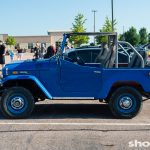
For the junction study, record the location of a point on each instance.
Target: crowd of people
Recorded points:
(40, 51)
(2, 54)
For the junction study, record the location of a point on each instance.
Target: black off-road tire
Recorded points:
(17, 103)
(125, 102)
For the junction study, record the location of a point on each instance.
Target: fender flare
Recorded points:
(107, 87)
(28, 77)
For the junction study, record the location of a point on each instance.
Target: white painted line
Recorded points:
(76, 124)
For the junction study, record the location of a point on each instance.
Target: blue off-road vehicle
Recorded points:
(121, 85)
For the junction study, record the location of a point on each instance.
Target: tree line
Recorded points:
(132, 36)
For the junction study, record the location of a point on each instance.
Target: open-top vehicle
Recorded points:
(122, 86)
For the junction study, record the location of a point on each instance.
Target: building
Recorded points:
(28, 42)
(56, 36)
(3, 37)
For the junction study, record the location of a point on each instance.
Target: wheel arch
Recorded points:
(132, 84)
(36, 90)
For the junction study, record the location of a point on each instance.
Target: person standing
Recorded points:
(37, 51)
(2, 54)
(20, 51)
(43, 50)
(11, 54)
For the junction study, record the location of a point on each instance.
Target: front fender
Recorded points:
(28, 77)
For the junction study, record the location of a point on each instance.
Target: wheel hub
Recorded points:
(126, 102)
(17, 103)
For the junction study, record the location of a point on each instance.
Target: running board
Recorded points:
(71, 98)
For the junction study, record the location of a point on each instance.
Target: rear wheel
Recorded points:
(17, 102)
(125, 102)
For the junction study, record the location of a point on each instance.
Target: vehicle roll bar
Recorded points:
(125, 52)
(128, 44)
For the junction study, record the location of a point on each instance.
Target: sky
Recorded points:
(36, 17)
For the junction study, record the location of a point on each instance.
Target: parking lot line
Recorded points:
(76, 124)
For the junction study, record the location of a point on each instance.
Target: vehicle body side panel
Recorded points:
(60, 78)
(112, 76)
(85, 80)
(66, 79)
(49, 75)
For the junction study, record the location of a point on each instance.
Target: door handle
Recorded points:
(97, 72)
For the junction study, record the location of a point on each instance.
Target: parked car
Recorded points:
(88, 54)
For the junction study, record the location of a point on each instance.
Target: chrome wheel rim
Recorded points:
(126, 102)
(17, 103)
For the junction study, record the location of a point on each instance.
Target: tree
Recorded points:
(10, 41)
(149, 37)
(107, 27)
(143, 36)
(132, 36)
(121, 37)
(78, 26)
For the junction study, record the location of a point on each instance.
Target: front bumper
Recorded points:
(1, 83)
(1, 86)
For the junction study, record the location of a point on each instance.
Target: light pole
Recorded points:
(123, 34)
(94, 11)
(112, 13)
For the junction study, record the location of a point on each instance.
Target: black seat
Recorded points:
(135, 61)
(107, 57)
(103, 56)
(111, 60)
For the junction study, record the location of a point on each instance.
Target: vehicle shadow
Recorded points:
(71, 111)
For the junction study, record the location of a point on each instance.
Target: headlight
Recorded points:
(6, 72)
(1, 76)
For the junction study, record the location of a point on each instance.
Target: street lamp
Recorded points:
(112, 13)
(94, 11)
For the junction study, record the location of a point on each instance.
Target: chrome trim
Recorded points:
(98, 72)
(126, 102)
(17, 103)
(71, 98)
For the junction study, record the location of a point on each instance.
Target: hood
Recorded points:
(21, 65)
(28, 66)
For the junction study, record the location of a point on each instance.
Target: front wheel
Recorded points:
(125, 102)
(17, 102)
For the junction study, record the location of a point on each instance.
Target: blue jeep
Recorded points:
(122, 86)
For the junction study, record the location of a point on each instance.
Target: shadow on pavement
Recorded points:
(71, 111)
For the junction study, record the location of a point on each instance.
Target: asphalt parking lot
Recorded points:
(75, 125)
(67, 125)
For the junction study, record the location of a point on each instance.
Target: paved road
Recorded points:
(75, 125)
